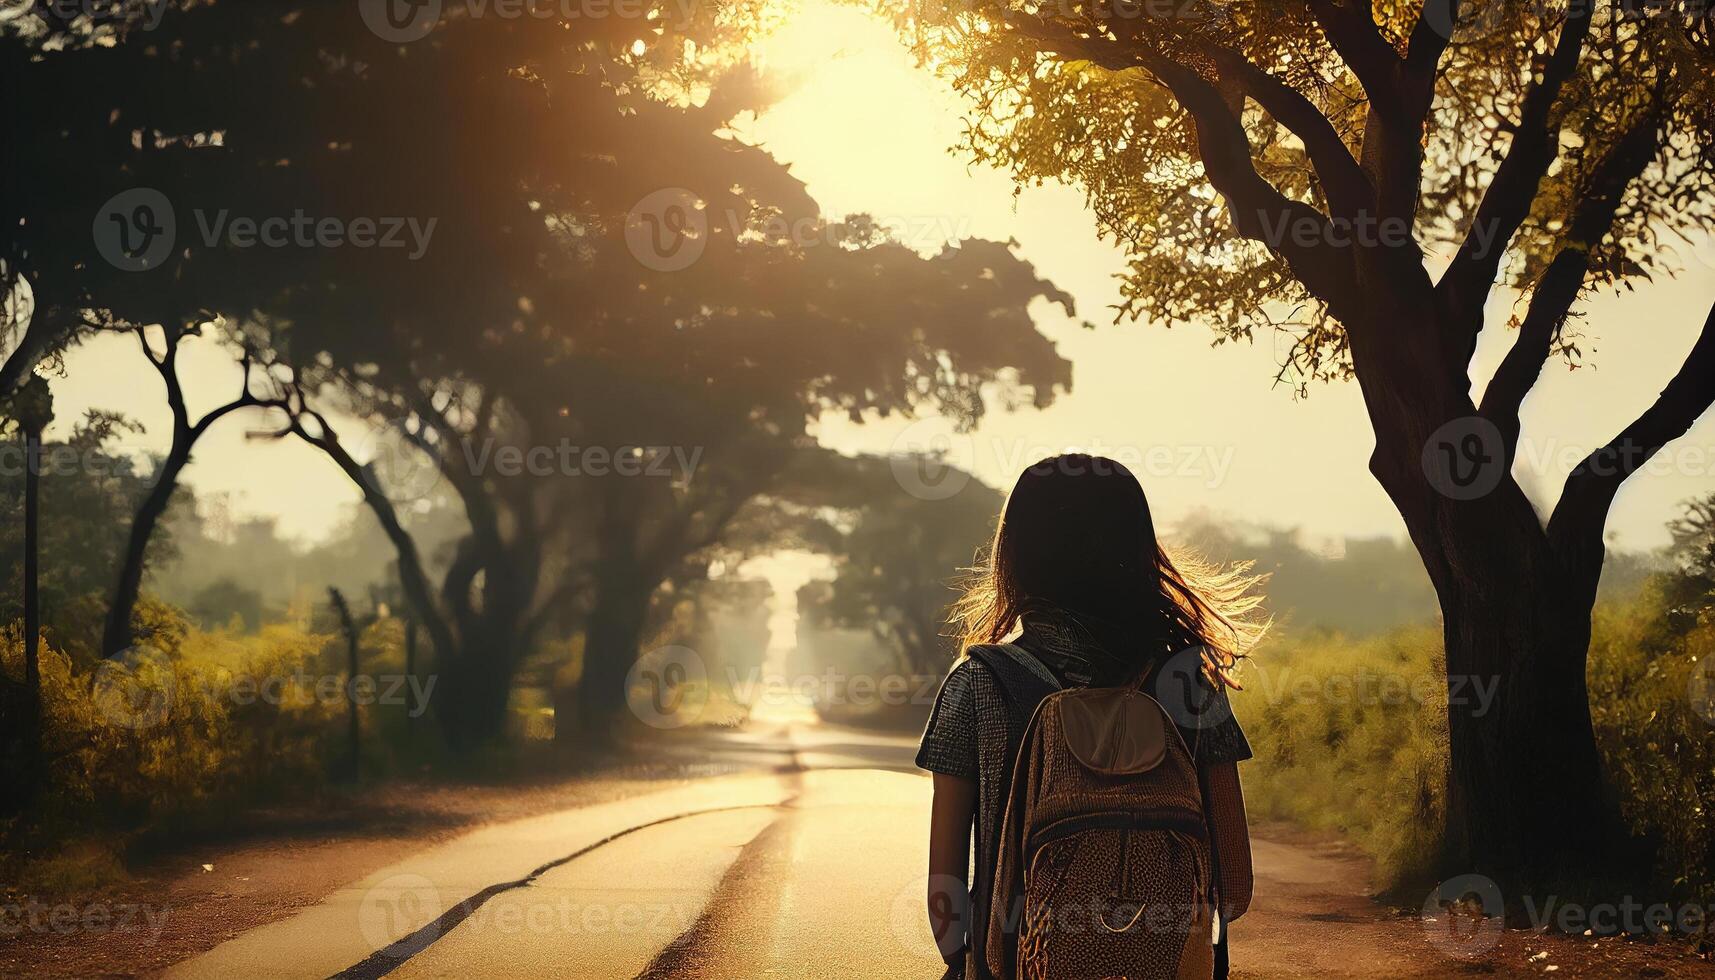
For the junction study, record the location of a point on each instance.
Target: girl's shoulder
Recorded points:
(967, 674)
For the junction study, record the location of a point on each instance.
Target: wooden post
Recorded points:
(33, 406)
(411, 706)
(350, 627)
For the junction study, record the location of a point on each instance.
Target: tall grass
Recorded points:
(1351, 736)
(1368, 759)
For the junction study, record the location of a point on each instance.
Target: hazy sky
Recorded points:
(868, 131)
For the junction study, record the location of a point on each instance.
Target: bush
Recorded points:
(1657, 730)
(188, 726)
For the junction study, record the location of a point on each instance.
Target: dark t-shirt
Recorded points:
(950, 740)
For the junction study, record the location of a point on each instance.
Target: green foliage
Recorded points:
(1376, 771)
(896, 567)
(1657, 729)
(90, 485)
(538, 319)
(1338, 752)
(195, 725)
(160, 736)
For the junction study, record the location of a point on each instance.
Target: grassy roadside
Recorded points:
(1350, 737)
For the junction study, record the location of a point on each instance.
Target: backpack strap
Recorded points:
(1220, 935)
(1023, 679)
(1031, 663)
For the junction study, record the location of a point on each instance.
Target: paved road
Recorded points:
(812, 870)
(810, 865)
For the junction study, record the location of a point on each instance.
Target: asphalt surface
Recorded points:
(813, 869)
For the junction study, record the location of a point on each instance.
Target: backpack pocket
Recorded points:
(1117, 901)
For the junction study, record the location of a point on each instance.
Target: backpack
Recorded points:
(1105, 867)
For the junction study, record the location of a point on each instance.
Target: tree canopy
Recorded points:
(527, 162)
(1234, 149)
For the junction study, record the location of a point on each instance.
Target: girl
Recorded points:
(1076, 564)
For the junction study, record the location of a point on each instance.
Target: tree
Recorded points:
(91, 488)
(117, 634)
(896, 567)
(1691, 589)
(533, 318)
(1354, 148)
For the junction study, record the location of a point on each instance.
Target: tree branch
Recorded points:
(1225, 150)
(1349, 190)
(1429, 39)
(1260, 212)
(46, 332)
(1351, 29)
(1400, 97)
(1564, 279)
(1578, 521)
(245, 399)
(411, 574)
(1465, 286)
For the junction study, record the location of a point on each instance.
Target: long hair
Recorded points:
(1076, 535)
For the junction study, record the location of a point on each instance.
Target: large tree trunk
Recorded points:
(611, 642)
(494, 636)
(32, 599)
(1526, 798)
(617, 617)
(35, 766)
(473, 693)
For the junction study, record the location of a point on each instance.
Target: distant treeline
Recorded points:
(1357, 586)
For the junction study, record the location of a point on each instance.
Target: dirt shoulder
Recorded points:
(1313, 916)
